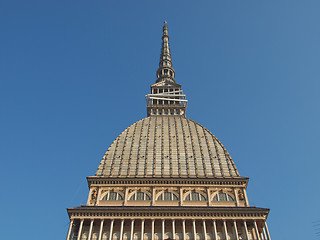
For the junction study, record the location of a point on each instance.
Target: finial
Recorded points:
(165, 22)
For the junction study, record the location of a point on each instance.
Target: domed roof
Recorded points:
(167, 147)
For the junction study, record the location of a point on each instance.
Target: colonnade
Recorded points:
(234, 229)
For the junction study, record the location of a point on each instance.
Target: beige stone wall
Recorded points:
(98, 192)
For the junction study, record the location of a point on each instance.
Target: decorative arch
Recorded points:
(139, 196)
(112, 196)
(223, 197)
(195, 196)
(167, 196)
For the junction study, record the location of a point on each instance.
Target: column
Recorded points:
(70, 228)
(246, 229)
(246, 197)
(236, 196)
(80, 229)
(194, 229)
(225, 229)
(142, 229)
(90, 229)
(267, 230)
(173, 229)
(153, 196)
(209, 197)
(235, 230)
(132, 229)
(181, 197)
(204, 229)
(111, 229)
(121, 229)
(152, 230)
(256, 228)
(126, 196)
(98, 195)
(214, 225)
(264, 234)
(184, 228)
(162, 234)
(101, 229)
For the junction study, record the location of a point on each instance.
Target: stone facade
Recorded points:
(167, 177)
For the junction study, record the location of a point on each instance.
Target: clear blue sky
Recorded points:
(74, 75)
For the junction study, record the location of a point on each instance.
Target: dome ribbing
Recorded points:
(164, 147)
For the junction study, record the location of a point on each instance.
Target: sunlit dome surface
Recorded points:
(167, 147)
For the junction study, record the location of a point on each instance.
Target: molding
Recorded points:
(241, 213)
(94, 180)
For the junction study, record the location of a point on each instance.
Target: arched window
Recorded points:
(112, 196)
(167, 196)
(195, 196)
(140, 196)
(223, 197)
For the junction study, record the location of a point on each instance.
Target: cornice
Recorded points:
(99, 212)
(95, 180)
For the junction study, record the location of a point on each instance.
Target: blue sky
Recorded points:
(74, 75)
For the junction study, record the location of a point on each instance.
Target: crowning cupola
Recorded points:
(167, 177)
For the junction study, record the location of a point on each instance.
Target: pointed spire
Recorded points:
(165, 71)
(166, 97)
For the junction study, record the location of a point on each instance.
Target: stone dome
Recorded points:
(167, 147)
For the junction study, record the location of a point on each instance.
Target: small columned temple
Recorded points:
(167, 177)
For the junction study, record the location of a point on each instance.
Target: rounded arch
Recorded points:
(112, 196)
(166, 195)
(195, 196)
(222, 197)
(139, 195)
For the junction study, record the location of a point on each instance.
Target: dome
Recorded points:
(167, 147)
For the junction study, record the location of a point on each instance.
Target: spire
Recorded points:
(165, 71)
(166, 97)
